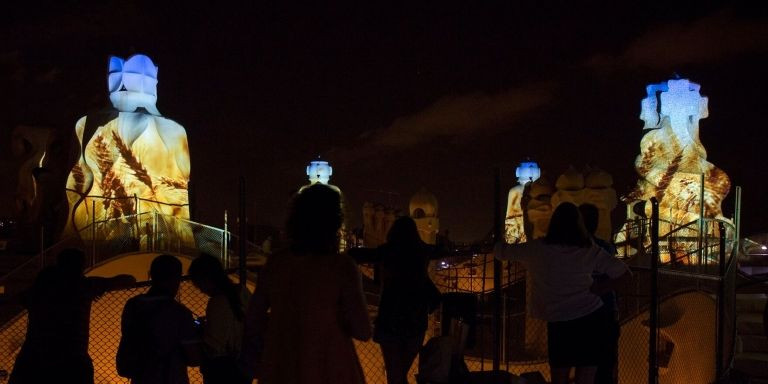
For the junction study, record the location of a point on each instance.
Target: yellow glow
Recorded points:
(132, 164)
(672, 163)
(688, 324)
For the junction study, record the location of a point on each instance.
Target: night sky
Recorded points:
(431, 95)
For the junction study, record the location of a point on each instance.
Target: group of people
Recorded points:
(299, 324)
(159, 336)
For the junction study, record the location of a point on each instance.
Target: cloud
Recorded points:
(709, 39)
(454, 117)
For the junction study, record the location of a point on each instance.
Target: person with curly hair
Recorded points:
(308, 304)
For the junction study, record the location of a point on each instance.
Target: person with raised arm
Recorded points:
(565, 295)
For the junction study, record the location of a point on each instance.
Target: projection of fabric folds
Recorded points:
(132, 159)
(672, 159)
(672, 164)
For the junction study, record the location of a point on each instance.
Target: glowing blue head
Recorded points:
(527, 172)
(133, 83)
(319, 171)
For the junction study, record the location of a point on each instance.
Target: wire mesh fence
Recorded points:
(104, 333)
(523, 337)
(105, 336)
(695, 323)
(145, 232)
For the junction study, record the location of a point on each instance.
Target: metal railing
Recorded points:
(145, 232)
(692, 285)
(697, 294)
(682, 300)
(105, 336)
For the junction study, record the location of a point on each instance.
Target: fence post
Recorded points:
(154, 230)
(243, 234)
(93, 233)
(483, 300)
(497, 343)
(137, 219)
(720, 305)
(702, 229)
(224, 240)
(42, 246)
(653, 362)
(737, 220)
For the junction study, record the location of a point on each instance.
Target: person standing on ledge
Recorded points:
(564, 294)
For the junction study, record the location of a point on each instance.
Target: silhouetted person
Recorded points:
(564, 294)
(765, 320)
(59, 309)
(309, 303)
(607, 369)
(159, 339)
(223, 325)
(407, 296)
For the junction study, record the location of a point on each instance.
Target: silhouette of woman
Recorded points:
(565, 295)
(223, 325)
(59, 307)
(309, 303)
(407, 298)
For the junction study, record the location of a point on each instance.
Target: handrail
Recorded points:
(693, 252)
(88, 228)
(753, 280)
(228, 232)
(636, 230)
(678, 227)
(125, 197)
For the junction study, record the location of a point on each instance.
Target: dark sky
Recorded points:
(431, 95)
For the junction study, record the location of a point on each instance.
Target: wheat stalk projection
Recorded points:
(133, 163)
(79, 177)
(122, 205)
(173, 183)
(105, 162)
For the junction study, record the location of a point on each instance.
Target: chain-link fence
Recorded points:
(695, 298)
(145, 232)
(695, 289)
(523, 337)
(104, 331)
(105, 336)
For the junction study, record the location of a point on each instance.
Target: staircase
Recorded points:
(751, 353)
